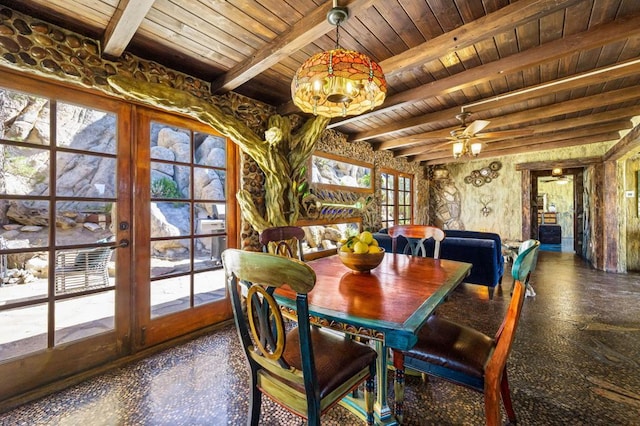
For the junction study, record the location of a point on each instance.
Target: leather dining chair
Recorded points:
(283, 240)
(467, 357)
(416, 235)
(307, 370)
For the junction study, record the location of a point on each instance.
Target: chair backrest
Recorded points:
(262, 330)
(283, 240)
(506, 333)
(416, 235)
(524, 246)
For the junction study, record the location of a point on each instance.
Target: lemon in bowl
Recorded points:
(361, 253)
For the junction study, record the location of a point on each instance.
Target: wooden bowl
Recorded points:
(361, 262)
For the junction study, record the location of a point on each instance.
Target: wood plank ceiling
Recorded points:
(566, 70)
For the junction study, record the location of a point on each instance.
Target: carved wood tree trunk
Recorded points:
(281, 155)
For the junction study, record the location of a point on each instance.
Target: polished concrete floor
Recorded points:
(574, 362)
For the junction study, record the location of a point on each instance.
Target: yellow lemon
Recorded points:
(366, 237)
(343, 241)
(360, 248)
(345, 249)
(374, 242)
(374, 249)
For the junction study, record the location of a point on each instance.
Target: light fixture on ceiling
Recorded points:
(463, 147)
(338, 82)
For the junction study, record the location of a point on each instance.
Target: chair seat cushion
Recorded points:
(337, 358)
(451, 345)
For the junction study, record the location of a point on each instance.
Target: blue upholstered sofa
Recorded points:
(482, 249)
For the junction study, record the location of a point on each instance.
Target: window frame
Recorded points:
(396, 192)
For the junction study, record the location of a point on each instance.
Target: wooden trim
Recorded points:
(565, 164)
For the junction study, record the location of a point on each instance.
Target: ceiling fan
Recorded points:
(472, 131)
(557, 176)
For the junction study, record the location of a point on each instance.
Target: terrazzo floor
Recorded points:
(574, 362)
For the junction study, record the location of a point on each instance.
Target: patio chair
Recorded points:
(283, 240)
(306, 370)
(467, 357)
(416, 235)
(78, 270)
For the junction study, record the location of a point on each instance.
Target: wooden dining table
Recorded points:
(387, 305)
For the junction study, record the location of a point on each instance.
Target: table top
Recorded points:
(396, 298)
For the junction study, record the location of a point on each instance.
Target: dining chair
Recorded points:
(416, 235)
(307, 370)
(529, 291)
(283, 240)
(467, 357)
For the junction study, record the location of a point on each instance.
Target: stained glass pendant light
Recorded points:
(338, 82)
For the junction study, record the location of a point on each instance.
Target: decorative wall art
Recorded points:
(484, 175)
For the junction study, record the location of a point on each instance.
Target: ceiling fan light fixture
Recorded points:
(338, 82)
(458, 149)
(463, 147)
(476, 147)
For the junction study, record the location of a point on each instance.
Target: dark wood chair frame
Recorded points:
(281, 240)
(493, 383)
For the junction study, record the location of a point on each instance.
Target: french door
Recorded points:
(184, 219)
(65, 216)
(112, 221)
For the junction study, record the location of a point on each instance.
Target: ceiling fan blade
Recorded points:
(475, 127)
(505, 133)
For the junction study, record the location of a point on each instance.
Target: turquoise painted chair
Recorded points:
(307, 370)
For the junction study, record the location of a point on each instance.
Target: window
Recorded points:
(331, 171)
(396, 201)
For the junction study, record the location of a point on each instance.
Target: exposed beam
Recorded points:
(521, 143)
(569, 163)
(495, 23)
(630, 142)
(123, 25)
(530, 148)
(602, 34)
(302, 33)
(567, 107)
(572, 123)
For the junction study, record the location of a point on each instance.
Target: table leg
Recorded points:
(398, 385)
(381, 408)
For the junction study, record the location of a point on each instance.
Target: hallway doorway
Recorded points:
(556, 209)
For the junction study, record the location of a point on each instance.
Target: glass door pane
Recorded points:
(62, 194)
(185, 210)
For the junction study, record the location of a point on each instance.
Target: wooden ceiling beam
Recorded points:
(570, 163)
(301, 34)
(536, 140)
(598, 36)
(419, 138)
(630, 142)
(567, 107)
(504, 19)
(123, 25)
(572, 123)
(529, 148)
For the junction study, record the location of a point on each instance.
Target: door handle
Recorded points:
(122, 244)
